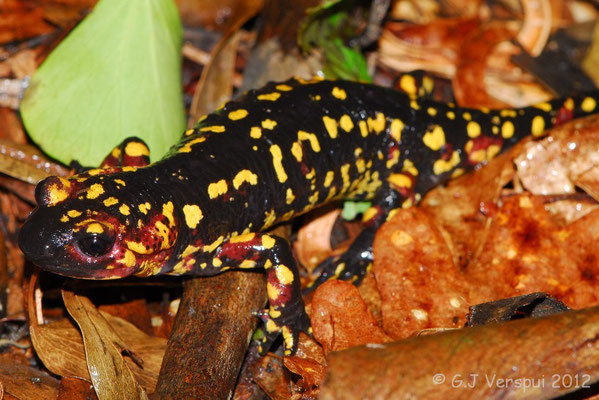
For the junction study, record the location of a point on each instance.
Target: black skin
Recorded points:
(274, 153)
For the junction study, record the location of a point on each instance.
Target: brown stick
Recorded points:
(210, 336)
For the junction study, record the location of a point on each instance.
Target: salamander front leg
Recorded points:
(286, 315)
(357, 260)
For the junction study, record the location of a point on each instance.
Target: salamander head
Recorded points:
(84, 228)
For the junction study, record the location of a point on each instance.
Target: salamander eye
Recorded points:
(94, 245)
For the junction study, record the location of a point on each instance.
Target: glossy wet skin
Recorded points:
(273, 154)
(276, 153)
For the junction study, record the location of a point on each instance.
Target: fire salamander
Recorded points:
(271, 155)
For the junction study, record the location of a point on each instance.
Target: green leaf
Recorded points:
(327, 27)
(118, 74)
(351, 209)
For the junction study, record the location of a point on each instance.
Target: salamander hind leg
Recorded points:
(357, 260)
(286, 315)
(132, 152)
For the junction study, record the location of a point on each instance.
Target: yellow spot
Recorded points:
(538, 125)
(255, 132)
(268, 241)
(289, 196)
(269, 218)
(369, 214)
(193, 215)
(303, 135)
(346, 123)
(378, 124)
(73, 213)
(296, 150)
(434, 139)
(492, 151)
(128, 259)
(129, 169)
(400, 180)
(214, 128)
(189, 132)
(136, 149)
(94, 228)
(116, 153)
(363, 128)
(450, 115)
(120, 182)
(189, 250)
(284, 274)
(270, 96)
(473, 129)
(247, 264)
(64, 218)
(432, 111)
(495, 130)
(124, 209)
(397, 126)
(478, 156)
(569, 104)
(167, 211)
(331, 126)
(394, 158)
(277, 162)
(328, 179)
(283, 88)
(588, 104)
(217, 188)
(144, 207)
(211, 247)
(407, 83)
(357, 152)
(467, 116)
(111, 201)
(360, 165)
(507, 129)
(314, 198)
(217, 262)
(238, 114)
(137, 247)
(544, 106)
(94, 191)
(441, 166)
(495, 120)
(243, 238)
(409, 166)
(269, 124)
(345, 175)
(245, 175)
(508, 113)
(339, 93)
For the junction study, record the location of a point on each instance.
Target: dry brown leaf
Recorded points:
(75, 389)
(273, 378)
(340, 318)
(25, 382)
(536, 26)
(469, 81)
(309, 363)
(419, 284)
(313, 244)
(215, 85)
(104, 349)
(468, 363)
